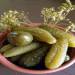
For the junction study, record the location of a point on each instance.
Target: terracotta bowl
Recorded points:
(14, 67)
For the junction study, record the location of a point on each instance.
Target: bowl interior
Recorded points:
(9, 64)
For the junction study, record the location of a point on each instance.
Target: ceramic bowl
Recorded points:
(12, 66)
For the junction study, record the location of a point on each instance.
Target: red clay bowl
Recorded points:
(12, 66)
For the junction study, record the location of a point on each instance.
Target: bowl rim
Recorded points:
(14, 67)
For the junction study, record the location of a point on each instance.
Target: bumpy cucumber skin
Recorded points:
(39, 33)
(33, 58)
(21, 50)
(57, 54)
(59, 33)
(6, 47)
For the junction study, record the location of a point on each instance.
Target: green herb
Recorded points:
(70, 26)
(11, 19)
(51, 15)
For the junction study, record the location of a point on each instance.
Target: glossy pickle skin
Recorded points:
(56, 55)
(21, 50)
(33, 58)
(59, 33)
(20, 38)
(39, 33)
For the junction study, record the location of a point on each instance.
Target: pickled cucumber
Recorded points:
(21, 50)
(20, 38)
(39, 33)
(57, 54)
(33, 58)
(15, 58)
(59, 33)
(6, 47)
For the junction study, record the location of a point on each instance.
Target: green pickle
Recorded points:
(39, 33)
(59, 33)
(21, 50)
(6, 47)
(20, 38)
(56, 56)
(33, 58)
(15, 58)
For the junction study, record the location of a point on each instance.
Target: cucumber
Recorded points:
(39, 33)
(6, 47)
(15, 58)
(21, 50)
(56, 54)
(33, 58)
(20, 38)
(59, 33)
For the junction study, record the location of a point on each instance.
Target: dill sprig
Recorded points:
(11, 19)
(51, 15)
(70, 26)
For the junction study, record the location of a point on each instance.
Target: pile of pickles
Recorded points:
(28, 46)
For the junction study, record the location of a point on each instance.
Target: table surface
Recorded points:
(33, 7)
